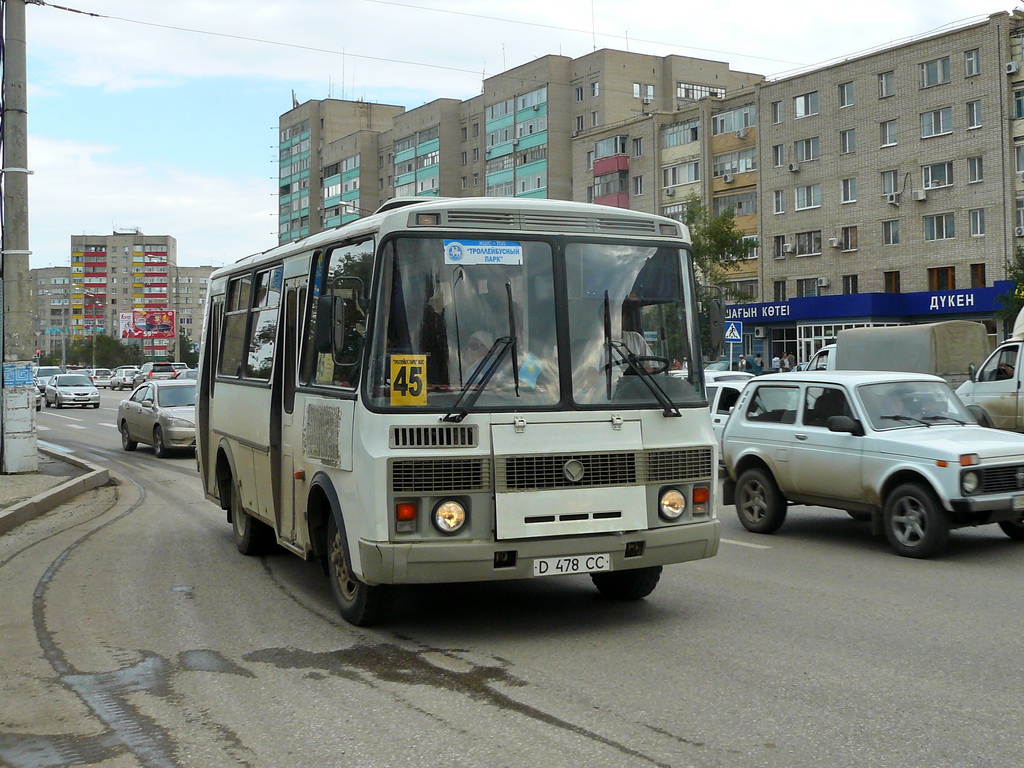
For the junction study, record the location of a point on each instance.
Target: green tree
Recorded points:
(189, 350)
(1011, 302)
(718, 247)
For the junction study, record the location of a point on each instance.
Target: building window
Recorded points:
(1018, 153)
(972, 62)
(579, 123)
(806, 286)
(778, 155)
(684, 173)
(977, 275)
(807, 149)
(594, 119)
(886, 84)
(680, 133)
(1018, 104)
(973, 114)
(464, 157)
(848, 141)
(776, 112)
(850, 284)
(977, 222)
(848, 190)
(779, 290)
(465, 182)
(579, 93)
(733, 120)
(808, 197)
(891, 232)
(779, 246)
(935, 72)
(779, 205)
(848, 238)
(937, 122)
(975, 170)
(939, 227)
(941, 279)
(891, 281)
(845, 95)
(808, 243)
(890, 182)
(937, 175)
(887, 130)
(595, 89)
(805, 105)
(638, 147)
(638, 185)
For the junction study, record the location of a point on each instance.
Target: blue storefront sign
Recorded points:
(878, 306)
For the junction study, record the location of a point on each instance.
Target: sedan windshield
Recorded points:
(72, 380)
(896, 404)
(176, 397)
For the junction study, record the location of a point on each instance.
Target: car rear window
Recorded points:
(163, 368)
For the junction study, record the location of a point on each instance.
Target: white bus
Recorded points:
(464, 390)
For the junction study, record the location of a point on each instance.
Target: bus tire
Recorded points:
(359, 603)
(635, 584)
(252, 537)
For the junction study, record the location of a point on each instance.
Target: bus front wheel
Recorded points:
(635, 584)
(359, 603)
(252, 537)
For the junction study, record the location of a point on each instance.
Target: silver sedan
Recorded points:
(159, 413)
(71, 389)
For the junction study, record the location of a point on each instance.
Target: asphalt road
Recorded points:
(133, 634)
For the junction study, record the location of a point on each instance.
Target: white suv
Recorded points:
(898, 449)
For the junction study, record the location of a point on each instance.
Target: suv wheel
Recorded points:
(916, 525)
(760, 505)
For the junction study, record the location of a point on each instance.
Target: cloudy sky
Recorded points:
(163, 115)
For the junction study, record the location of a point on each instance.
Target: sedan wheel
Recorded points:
(159, 446)
(916, 525)
(126, 439)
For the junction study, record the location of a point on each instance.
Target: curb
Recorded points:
(48, 500)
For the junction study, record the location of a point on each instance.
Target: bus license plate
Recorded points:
(555, 566)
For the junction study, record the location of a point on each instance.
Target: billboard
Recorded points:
(148, 324)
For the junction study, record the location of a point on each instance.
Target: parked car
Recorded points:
(44, 373)
(723, 392)
(899, 449)
(160, 413)
(100, 377)
(186, 374)
(123, 377)
(71, 389)
(153, 372)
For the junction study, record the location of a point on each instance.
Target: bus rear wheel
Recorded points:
(627, 585)
(359, 603)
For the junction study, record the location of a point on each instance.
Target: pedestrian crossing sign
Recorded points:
(734, 332)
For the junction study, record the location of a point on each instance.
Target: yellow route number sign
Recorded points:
(408, 380)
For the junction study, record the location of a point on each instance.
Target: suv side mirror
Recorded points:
(972, 371)
(845, 424)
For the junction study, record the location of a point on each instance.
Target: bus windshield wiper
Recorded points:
(627, 356)
(479, 378)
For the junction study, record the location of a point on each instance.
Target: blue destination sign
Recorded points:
(877, 305)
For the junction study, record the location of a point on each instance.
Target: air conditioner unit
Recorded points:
(648, 99)
(788, 248)
(919, 194)
(741, 133)
(823, 282)
(727, 178)
(833, 242)
(1019, 232)
(794, 167)
(536, 107)
(893, 198)
(759, 332)
(1012, 67)
(669, 191)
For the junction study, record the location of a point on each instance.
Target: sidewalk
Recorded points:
(60, 477)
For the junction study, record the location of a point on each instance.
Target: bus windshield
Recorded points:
(492, 325)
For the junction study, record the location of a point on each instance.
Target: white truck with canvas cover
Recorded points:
(993, 391)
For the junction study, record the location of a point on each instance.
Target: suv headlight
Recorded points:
(970, 482)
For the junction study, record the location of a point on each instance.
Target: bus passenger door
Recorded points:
(289, 427)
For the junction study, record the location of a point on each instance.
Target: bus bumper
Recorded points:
(430, 562)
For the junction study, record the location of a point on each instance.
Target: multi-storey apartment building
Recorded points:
(886, 188)
(109, 274)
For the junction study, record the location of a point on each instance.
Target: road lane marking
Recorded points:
(745, 544)
(105, 424)
(62, 416)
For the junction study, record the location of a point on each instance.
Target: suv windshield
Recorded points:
(900, 404)
(443, 315)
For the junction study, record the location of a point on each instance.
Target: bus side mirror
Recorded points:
(330, 324)
(716, 327)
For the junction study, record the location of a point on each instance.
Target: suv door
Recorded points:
(769, 422)
(826, 464)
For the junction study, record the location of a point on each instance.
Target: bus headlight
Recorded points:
(449, 517)
(969, 482)
(672, 504)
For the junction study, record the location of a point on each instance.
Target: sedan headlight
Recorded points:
(970, 482)
(180, 423)
(672, 504)
(449, 516)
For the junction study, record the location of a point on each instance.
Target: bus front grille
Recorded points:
(594, 470)
(445, 436)
(440, 475)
